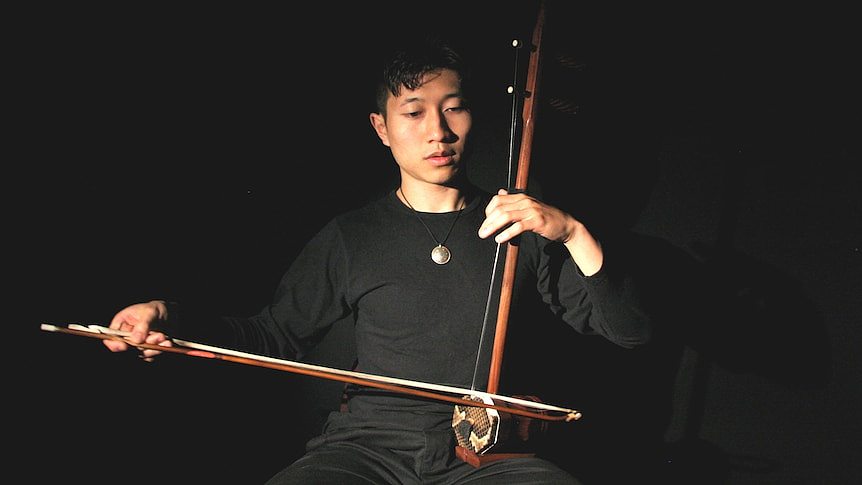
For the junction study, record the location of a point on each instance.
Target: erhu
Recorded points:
(485, 434)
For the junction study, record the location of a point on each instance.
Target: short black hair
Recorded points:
(411, 61)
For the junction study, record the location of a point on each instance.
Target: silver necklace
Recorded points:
(440, 254)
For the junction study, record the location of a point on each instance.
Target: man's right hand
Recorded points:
(140, 320)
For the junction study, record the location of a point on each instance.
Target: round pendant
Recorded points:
(441, 254)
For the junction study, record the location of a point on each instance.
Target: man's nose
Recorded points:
(438, 127)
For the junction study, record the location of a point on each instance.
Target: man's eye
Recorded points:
(413, 114)
(456, 109)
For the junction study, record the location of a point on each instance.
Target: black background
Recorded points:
(191, 152)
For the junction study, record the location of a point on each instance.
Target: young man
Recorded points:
(412, 272)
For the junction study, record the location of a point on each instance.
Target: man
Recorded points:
(412, 271)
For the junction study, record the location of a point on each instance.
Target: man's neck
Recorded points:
(439, 199)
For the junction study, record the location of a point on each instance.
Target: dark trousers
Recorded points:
(351, 454)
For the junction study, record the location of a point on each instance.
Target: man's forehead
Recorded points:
(444, 77)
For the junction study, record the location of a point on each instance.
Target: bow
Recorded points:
(432, 391)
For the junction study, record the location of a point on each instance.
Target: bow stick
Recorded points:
(404, 386)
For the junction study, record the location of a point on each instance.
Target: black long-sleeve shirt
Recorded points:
(415, 319)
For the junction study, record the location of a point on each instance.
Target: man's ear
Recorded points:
(378, 122)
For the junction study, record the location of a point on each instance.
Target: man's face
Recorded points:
(427, 129)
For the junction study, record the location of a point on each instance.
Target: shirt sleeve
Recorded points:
(606, 303)
(310, 298)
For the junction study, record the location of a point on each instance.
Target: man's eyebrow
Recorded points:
(410, 100)
(447, 97)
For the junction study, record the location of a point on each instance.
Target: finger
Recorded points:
(503, 210)
(115, 345)
(121, 322)
(493, 222)
(139, 333)
(155, 338)
(147, 354)
(160, 339)
(502, 219)
(509, 233)
(496, 201)
(492, 204)
(117, 321)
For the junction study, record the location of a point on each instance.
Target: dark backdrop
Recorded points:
(179, 152)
